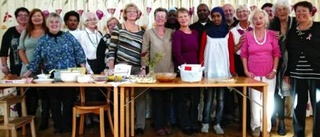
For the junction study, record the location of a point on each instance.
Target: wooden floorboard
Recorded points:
(231, 130)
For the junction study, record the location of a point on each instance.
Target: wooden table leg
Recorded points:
(264, 115)
(244, 112)
(127, 112)
(122, 93)
(132, 112)
(24, 108)
(115, 112)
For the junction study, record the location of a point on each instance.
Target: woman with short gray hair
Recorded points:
(282, 23)
(58, 50)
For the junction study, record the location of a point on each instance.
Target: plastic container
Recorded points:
(191, 72)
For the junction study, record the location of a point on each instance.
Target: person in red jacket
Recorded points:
(217, 55)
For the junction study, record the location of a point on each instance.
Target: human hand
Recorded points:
(271, 75)
(142, 72)
(249, 74)
(5, 70)
(234, 74)
(27, 74)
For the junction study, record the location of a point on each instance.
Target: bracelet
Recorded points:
(274, 70)
(4, 65)
(143, 67)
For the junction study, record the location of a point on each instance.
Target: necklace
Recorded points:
(94, 44)
(264, 39)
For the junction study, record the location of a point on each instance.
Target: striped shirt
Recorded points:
(304, 69)
(125, 46)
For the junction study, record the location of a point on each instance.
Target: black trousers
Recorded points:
(279, 105)
(300, 89)
(61, 103)
(160, 107)
(187, 115)
(32, 101)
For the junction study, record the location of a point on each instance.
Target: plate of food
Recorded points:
(43, 80)
(142, 79)
(99, 81)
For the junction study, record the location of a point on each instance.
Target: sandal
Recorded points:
(161, 132)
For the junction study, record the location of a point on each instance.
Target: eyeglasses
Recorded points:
(112, 24)
(160, 17)
(242, 11)
(23, 15)
(131, 11)
(94, 19)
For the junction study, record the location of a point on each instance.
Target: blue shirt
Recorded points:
(57, 51)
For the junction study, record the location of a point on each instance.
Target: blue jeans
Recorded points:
(208, 98)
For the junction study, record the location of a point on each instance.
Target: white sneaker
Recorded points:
(205, 128)
(217, 128)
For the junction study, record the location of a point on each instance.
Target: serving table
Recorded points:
(81, 86)
(127, 97)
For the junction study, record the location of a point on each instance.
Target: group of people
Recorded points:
(264, 44)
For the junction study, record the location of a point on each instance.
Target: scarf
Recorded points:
(221, 30)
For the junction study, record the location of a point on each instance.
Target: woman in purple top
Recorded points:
(260, 56)
(185, 51)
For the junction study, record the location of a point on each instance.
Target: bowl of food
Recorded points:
(69, 76)
(114, 78)
(43, 76)
(166, 77)
(84, 78)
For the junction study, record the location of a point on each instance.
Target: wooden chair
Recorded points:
(91, 107)
(12, 123)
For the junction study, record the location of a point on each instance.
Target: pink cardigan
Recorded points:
(260, 57)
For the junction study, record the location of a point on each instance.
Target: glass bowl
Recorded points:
(166, 77)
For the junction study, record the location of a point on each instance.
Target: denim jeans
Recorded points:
(208, 98)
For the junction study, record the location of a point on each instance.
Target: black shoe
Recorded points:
(57, 131)
(196, 130)
(43, 126)
(139, 131)
(187, 132)
(65, 130)
(282, 128)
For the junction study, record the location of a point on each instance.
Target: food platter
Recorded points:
(142, 79)
(43, 80)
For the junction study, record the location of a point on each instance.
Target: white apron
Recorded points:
(216, 58)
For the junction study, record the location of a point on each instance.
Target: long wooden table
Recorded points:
(62, 84)
(127, 97)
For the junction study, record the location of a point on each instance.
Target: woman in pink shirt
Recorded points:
(260, 56)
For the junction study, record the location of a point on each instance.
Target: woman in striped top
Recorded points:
(304, 68)
(125, 47)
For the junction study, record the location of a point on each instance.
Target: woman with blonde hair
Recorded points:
(260, 56)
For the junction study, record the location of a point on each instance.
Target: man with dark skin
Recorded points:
(172, 22)
(71, 19)
(204, 22)
(200, 26)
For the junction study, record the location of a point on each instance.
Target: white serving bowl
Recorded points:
(43, 76)
(84, 78)
(68, 76)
